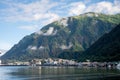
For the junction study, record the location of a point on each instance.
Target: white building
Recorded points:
(71, 62)
(55, 62)
(0, 62)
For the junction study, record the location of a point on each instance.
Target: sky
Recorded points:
(19, 18)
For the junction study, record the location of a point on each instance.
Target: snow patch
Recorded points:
(96, 15)
(90, 14)
(65, 46)
(50, 31)
(41, 47)
(64, 21)
(55, 32)
(32, 47)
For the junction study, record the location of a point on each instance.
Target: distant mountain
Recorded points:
(107, 48)
(2, 52)
(73, 34)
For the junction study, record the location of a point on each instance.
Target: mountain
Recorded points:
(107, 48)
(73, 34)
(2, 52)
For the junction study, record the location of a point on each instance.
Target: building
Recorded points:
(55, 62)
(0, 62)
(35, 62)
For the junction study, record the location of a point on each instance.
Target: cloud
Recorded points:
(102, 7)
(77, 8)
(49, 17)
(33, 11)
(87, 1)
(47, 11)
(39, 32)
(29, 28)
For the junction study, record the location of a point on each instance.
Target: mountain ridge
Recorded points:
(75, 33)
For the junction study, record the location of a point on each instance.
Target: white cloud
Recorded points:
(117, 2)
(33, 11)
(87, 1)
(38, 16)
(29, 28)
(47, 11)
(39, 32)
(50, 17)
(77, 8)
(104, 7)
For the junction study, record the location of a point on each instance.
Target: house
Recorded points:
(0, 62)
(71, 62)
(36, 62)
(55, 62)
(87, 64)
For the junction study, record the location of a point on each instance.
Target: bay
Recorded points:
(57, 73)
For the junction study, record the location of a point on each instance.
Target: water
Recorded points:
(57, 73)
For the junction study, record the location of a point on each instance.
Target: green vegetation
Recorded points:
(107, 48)
(78, 35)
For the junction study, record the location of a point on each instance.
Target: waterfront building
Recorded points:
(55, 62)
(0, 62)
(36, 62)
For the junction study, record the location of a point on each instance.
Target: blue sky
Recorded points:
(19, 18)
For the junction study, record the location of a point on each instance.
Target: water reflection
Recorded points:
(57, 73)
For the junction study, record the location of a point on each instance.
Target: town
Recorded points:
(62, 62)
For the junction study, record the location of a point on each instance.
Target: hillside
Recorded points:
(107, 48)
(75, 34)
(2, 52)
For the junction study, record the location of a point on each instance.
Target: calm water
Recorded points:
(57, 73)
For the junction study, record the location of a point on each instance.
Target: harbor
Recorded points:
(62, 62)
